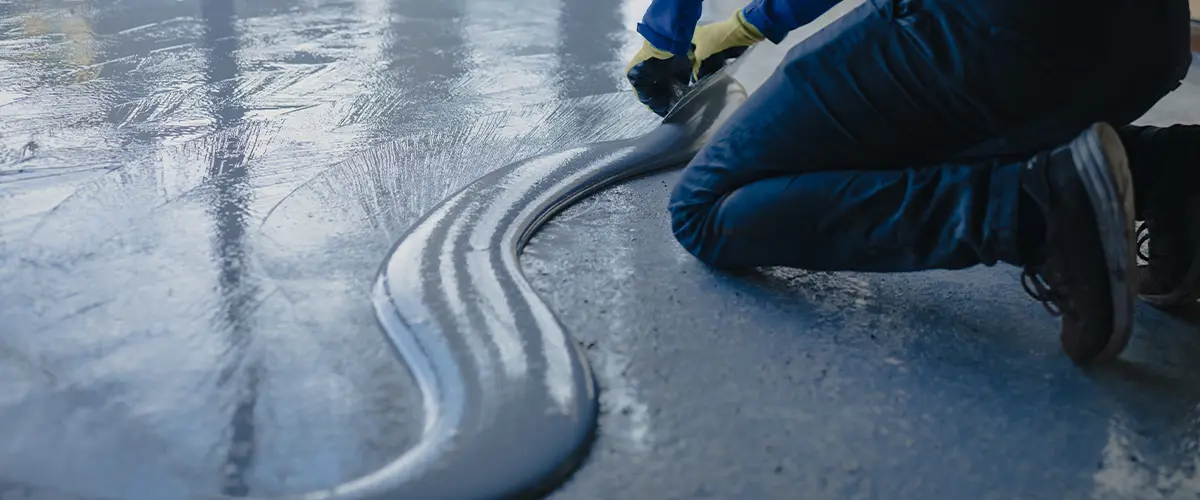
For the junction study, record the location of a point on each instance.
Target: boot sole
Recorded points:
(1183, 295)
(1104, 170)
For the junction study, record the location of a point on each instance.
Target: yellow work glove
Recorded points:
(659, 78)
(718, 43)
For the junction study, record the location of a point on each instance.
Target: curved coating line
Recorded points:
(510, 402)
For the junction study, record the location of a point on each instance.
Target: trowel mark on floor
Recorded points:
(163, 149)
(350, 214)
(262, 86)
(176, 100)
(386, 188)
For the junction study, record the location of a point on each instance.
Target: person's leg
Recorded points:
(948, 217)
(951, 216)
(1168, 180)
(883, 91)
(898, 85)
(1165, 162)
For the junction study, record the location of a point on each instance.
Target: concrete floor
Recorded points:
(195, 197)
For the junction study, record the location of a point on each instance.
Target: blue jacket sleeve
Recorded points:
(776, 18)
(669, 24)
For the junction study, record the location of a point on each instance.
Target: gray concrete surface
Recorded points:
(195, 196)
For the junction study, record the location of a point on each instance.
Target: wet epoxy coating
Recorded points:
(195, 198)
(496, 369)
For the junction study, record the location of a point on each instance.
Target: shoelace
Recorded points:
(1162, 270)
(1143, 236)
(1036, 286)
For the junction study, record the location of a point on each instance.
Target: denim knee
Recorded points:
(687, 224)
(689, 221)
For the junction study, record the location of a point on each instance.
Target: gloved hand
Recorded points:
(716, 43)
(659, 77)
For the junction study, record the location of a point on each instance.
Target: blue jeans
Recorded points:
(891, 140)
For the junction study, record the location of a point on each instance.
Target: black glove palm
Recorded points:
(659, 78)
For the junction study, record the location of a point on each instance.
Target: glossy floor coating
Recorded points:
(496, 369)
(195, 198)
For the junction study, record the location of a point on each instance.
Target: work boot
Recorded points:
(1168, 185)
(1169, 242)
(1081, 272)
